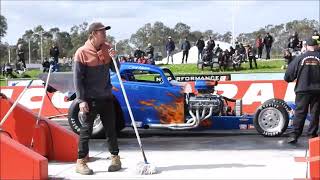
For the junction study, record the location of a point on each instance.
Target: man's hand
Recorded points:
(84, 107)
(112, 52)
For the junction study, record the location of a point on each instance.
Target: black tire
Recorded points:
(202, 65)
(271, 119)
(279, 101)
(98, 130)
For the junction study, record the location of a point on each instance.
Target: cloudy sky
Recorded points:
(126, 17)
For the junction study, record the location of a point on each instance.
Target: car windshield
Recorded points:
(168, 74)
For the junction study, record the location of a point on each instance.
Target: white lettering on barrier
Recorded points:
(290, 94)
(26, 99)
(228, 90)
(58, 100)
(259, 92)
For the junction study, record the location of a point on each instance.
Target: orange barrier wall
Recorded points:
(314, 153)
(50, 140)
(313, 159)
(20, 162)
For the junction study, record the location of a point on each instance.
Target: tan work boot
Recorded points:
(82, 167)
(115, 163)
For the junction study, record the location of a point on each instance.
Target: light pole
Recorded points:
(234, 11)
(41, 48)
(29, 51)
(9, 52)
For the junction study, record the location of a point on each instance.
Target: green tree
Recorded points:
(181, 30)
(123, 47)
(64, 43)
(3, 26)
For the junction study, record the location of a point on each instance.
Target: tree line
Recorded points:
(156, 34)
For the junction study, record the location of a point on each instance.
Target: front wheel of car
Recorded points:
(271, 119)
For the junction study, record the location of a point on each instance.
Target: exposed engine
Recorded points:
(204, 105)
(205, 102)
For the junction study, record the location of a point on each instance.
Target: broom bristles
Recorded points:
(145, 169)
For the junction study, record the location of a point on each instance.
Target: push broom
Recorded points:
(143, 168)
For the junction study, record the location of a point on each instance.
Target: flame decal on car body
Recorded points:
(169, 113)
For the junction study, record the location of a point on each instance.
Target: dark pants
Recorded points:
(56, 59)
(303, 102)
(105, 109)
(254, 60)
(268, 49)
(185, 54)
(200, 54)
(260, 52)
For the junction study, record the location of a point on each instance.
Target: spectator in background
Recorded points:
(224, 60)
(259, 46)
(149, 51)
(252, 56)
(217, 50)
(138, 53)
(316, 36)
(185, 46)
(242, 51)
(7, 70)
(200, 45)
(170, 47)
(20, 58)
(54, 53)
(294, 41)
(45, 65)
(287, 58)
(304, 47)
(232, 50)
(130, 59)
(236, 60)
(150, 60)
(142, 60)
(267, 41)
(237, 46)
(211, 44)
(123, 59)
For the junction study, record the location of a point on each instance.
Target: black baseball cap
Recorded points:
(96, 26)
(311, 42)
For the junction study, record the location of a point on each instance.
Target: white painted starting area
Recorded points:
(186, 155)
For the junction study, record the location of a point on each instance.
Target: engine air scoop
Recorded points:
(205, 86)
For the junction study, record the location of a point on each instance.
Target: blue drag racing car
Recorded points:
(159, 101)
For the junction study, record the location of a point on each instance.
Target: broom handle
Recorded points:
(43, 97)
(15, 104)
(129, 109)
(39, 113)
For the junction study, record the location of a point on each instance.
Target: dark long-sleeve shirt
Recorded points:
(170, 46)
(306, 70)
(91, 72)
(185, 46)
